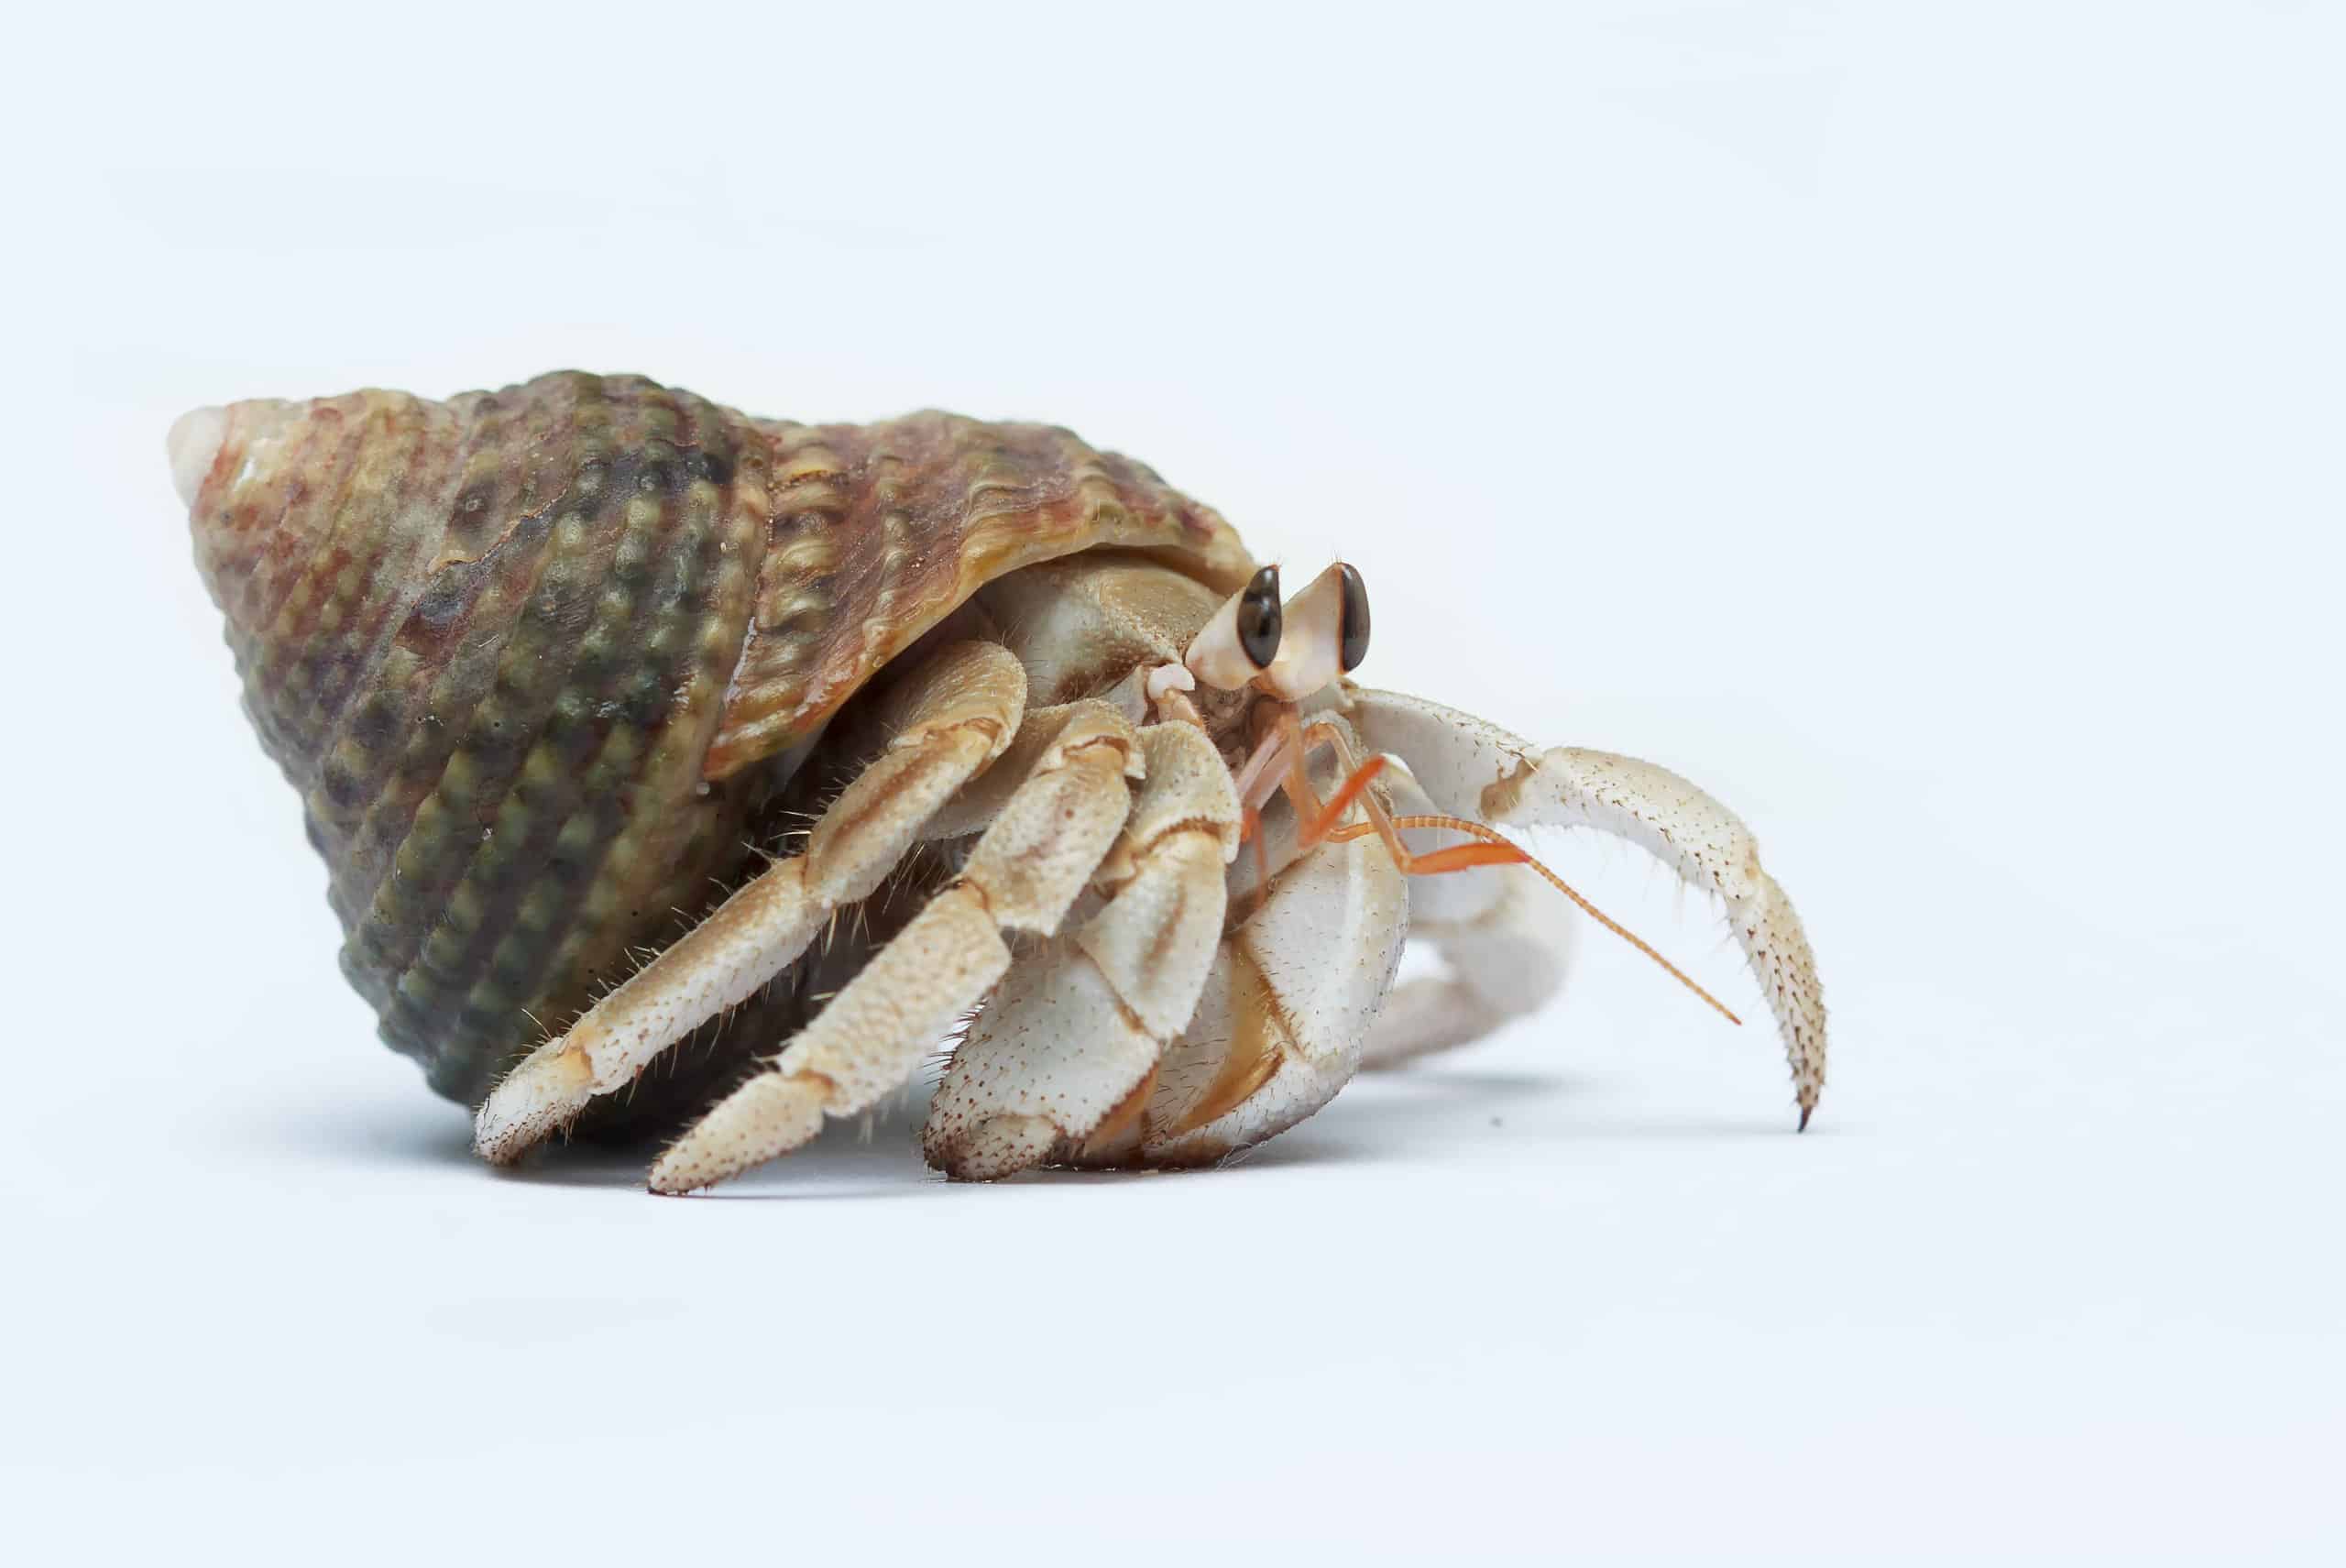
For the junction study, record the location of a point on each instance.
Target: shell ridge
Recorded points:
(594, 947)
(271, 533)
(440, 926)
(592, 819)
(453, 694)
(499, 562)
(558, 734)
(974, 500)
(287, 593)
(344, 652)
(460, 664)
(504, 960)
(251, 534)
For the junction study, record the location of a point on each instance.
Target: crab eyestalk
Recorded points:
(1244, 636)
(1327, 636)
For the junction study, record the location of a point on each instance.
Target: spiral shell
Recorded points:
(535, 659)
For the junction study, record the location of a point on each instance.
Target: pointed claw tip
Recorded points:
(497, 1139)
(542, 1096)
(663, 1181)
(675, 1173)
(1805, 1112)
(492, 1140)
(505, 1146)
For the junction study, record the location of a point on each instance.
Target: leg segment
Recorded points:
(1288, 1002)
(1476, 770)
(948, 721)
(1502, 964)
(1505, 941)
(1064, 1056)
(867, 1043)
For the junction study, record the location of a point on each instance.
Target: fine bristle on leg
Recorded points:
(957, 713)
(1073, 1039)
(1023, 874)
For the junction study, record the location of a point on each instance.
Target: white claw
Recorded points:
(1471, 768)
(194, 442)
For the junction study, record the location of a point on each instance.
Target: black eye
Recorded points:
(1259, 620)
(1354, 646)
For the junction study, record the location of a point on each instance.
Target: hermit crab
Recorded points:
(675, 767)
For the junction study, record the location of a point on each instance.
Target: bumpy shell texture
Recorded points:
(534, 659)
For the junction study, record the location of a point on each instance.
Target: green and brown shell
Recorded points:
(536, 659)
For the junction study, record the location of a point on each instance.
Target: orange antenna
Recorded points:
(1497, 849)
(1318, 823)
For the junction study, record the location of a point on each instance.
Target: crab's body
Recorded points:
(552, 666)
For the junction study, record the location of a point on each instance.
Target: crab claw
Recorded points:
(1476, 770)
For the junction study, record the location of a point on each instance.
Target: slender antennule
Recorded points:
(1519, 855)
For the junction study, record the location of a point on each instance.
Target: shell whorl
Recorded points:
(534, 658)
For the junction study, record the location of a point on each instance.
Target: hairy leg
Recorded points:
(1064, 1057)
(1288, 1000)
(1022, 876)
(948, 719)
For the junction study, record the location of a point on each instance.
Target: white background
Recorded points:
(1920, 424)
